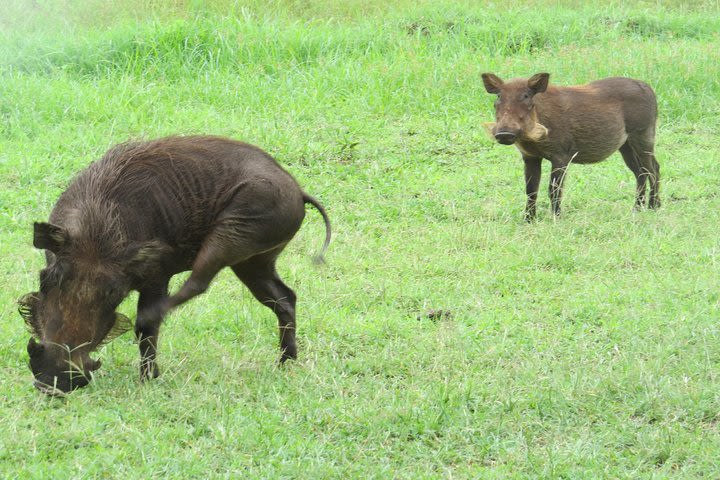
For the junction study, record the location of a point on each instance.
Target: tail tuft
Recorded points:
(319, 259)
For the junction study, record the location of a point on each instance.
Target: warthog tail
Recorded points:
(319, 258)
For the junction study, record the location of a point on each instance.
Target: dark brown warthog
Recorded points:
(581, 124)
(141, 214)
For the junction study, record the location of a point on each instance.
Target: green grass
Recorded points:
(586, 347)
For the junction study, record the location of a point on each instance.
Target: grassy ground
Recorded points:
(586, 347)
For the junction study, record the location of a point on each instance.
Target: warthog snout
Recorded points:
(58, 389)
(505, 137)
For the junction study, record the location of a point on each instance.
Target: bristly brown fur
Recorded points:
(139, 215)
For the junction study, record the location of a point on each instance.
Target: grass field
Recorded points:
(584, 347)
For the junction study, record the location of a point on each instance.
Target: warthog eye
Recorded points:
(52, 276)
(114, 292)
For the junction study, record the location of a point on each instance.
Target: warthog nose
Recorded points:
(506, 138)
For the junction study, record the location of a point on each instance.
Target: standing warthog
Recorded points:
(580, 124)
(141, 214)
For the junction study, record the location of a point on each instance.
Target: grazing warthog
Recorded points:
(580, 124)
(141, 214)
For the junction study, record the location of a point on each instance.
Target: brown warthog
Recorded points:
(580, 124)
(144, 212)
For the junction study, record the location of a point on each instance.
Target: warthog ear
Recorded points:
(50, 237)
(143, 258)
(492, 83)
(538, 83)
(27, 307)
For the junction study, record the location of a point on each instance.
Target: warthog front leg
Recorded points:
(533, 169)
(147, 329)
(245, 244)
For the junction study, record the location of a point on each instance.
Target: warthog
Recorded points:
(580, 124)
(136, 217)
